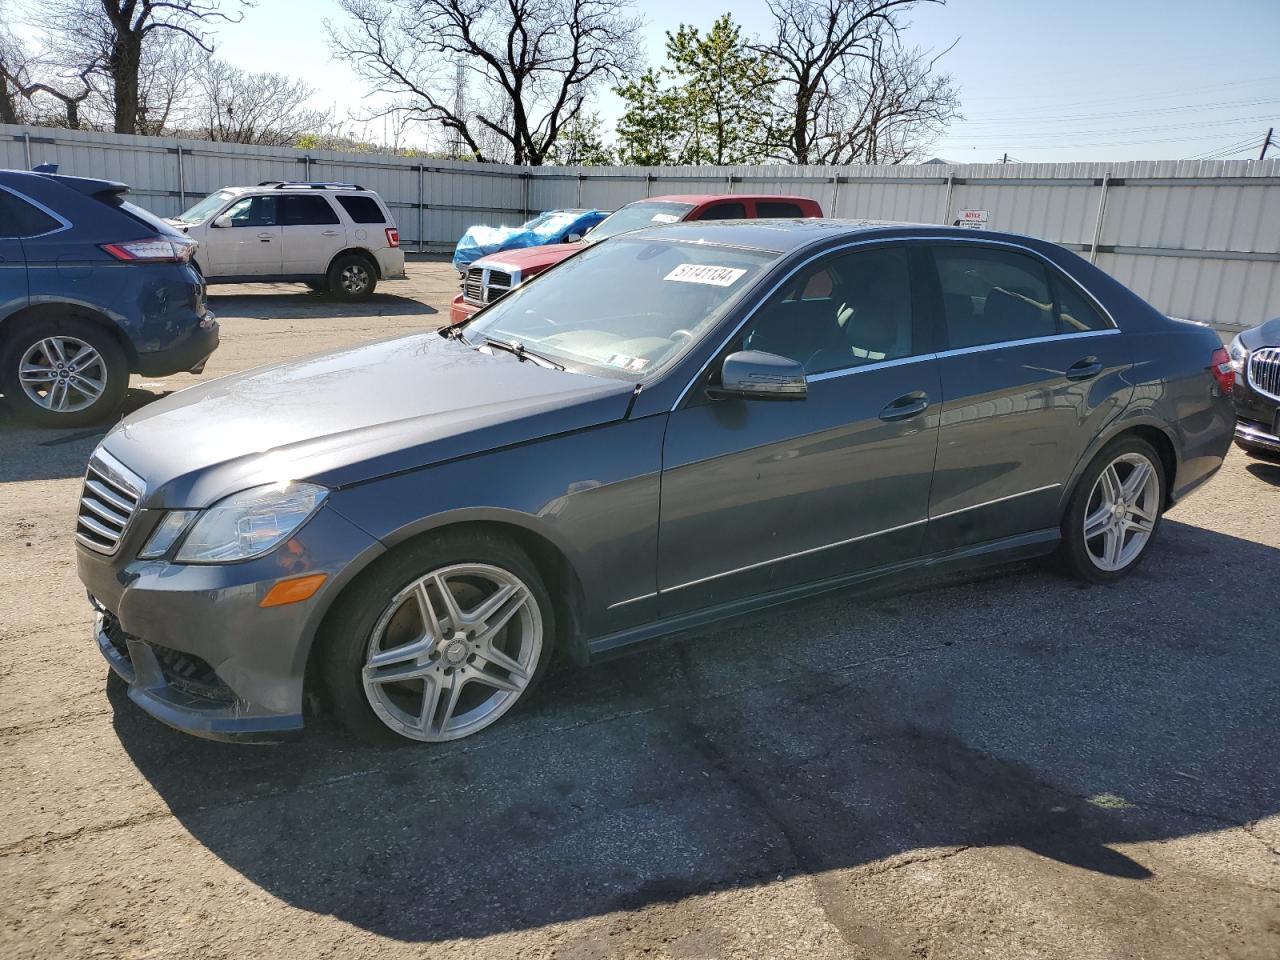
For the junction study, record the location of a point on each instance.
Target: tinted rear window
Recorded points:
(21, 219)
(723, 211)
(777, 208)
(362, 209)
(306, 211)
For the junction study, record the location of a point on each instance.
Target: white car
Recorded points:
(337, 237)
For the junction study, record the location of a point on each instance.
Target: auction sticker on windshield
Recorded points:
(665, 218)
(701, 273)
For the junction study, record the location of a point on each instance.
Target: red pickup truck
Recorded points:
(493, 276)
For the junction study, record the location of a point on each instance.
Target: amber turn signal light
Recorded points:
(294, 590)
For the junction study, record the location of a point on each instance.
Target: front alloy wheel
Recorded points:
(452, 652)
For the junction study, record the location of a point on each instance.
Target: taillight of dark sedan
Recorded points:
(675, 426)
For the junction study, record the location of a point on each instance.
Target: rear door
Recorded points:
(761, 495)
(250, 246)
(312, 233)
(1032, 372)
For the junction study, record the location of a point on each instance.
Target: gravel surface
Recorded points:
(1004, 765)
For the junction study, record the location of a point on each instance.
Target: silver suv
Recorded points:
(335, 237)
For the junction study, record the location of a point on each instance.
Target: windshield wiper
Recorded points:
(452, 332)
(521, 352)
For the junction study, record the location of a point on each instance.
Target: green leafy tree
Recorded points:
(709, 104)
(581, 143)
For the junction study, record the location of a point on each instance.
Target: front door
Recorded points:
(1032, 373)
(761, 495)
(250, 246)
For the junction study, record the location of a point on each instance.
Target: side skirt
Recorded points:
(1021, 547)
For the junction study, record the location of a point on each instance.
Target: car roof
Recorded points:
(697, 198)
(788, 235)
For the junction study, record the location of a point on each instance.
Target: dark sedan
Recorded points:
(1255, 359)
(676, 426)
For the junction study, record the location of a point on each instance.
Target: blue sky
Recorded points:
(1079, 80)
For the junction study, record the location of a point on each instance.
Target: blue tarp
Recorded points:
(554, 226)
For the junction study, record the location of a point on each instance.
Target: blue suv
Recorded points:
(92, 288)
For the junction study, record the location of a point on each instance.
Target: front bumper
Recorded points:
(1254, 436)
(460, 310)
(191, 641)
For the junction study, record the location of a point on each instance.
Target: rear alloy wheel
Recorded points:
(446, 653)
(1114, 513)
(352, 278)
(68, 372)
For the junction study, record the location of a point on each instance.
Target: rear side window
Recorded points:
(777, 208)
(724, 211)
(1075, 313)
(18, 218)
(362, 209)
(990, 296)
(306, 211)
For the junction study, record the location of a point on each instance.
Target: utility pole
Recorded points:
(1266, 143)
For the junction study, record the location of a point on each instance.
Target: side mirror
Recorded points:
(755, 375)
(573, 238)
(222, 221)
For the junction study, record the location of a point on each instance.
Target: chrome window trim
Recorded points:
(874, 365)
(981, 242)
(1000, 345)
(65, 223)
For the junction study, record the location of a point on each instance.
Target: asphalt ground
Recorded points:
(1007, 764)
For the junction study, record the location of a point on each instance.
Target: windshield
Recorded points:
(206, 207)
(623, 308)
(636, 215)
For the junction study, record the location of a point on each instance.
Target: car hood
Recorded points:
(353, 415)
(530, 257)
(1263, 335)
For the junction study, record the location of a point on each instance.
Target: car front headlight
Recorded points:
(250, 523)
(1238, 353)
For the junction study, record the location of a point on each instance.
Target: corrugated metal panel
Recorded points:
(1199, 239)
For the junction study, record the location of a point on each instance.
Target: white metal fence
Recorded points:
(1199, 239)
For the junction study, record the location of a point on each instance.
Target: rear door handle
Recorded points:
(328, 233)
(264, 237)
(907, 405)
(1085, 369)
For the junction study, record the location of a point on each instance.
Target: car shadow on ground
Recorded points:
(1267, 472)
(277, 301)
(1010, 707)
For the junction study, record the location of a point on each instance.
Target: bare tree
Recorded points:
(848, 89)
(24, 74)
(117, 39)
(534, 60)
(238, 106)
(15, 73)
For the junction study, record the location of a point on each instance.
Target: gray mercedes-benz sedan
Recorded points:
(675, 426)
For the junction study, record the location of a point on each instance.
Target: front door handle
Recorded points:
(1085, 369)
(906, 406)
(328, 233)
(264, 237)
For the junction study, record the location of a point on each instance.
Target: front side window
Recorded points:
(253, 212)
(305, 211)
(18, 218)
(636, 215)
(624, 308)
(206, 208)
(845, 311)
(995, 296)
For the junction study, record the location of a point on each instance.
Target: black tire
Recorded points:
(111, 369)
(1075, 556)
(349, 629)
(352, 277)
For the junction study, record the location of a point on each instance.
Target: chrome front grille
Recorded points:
(1264, 371)
(107, 503)
(473, 286)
